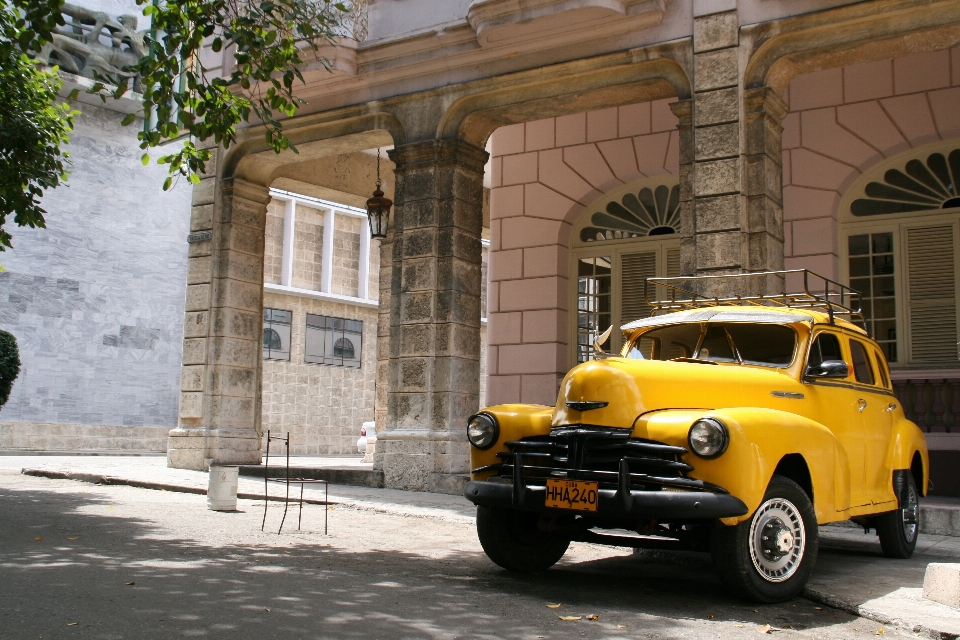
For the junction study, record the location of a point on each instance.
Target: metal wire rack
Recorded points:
(819, 293)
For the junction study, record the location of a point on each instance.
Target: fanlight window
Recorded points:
(919, 186)
(649, 212)
(343, 349)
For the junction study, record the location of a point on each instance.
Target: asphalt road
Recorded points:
(85, 561)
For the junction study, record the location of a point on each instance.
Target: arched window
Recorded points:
(625, 236)
(900, 246)
(343, 348)
(271, 340)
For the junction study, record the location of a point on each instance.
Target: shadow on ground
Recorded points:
(186, 586)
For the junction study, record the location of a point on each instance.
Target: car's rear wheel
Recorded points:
(513, 540)
(769, 556)
(899, 530)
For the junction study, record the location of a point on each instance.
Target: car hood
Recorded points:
(634, 387)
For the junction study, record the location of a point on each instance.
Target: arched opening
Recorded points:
(623, 237)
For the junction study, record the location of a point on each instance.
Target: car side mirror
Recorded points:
(829, 369)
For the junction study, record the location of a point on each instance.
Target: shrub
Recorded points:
(9, 365)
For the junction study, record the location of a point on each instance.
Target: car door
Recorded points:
(878, 404)
(834, 404)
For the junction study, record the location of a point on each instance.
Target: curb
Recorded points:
(352, 477)
(93, 478)
(843, 605)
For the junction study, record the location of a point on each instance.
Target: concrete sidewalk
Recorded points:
(851, 572)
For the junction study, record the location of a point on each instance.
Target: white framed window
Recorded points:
(325, 251)
(276, 334)
(625, 237)
(900, 247)
(333, 341)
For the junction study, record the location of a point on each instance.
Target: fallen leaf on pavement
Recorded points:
(267, 610)
(764, 629)
(594, 618)
(553, 606)
(621, 626)
(129, 584)
(74, 538)
(880, 632)
(570, 618)
(38, 539)
(72, 624)
(709, 616)
(739, 626)
(818, 608)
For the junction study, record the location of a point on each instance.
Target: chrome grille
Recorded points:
(599, 454)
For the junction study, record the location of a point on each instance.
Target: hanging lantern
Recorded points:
(378, 208)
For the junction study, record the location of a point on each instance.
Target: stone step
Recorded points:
(940, 516)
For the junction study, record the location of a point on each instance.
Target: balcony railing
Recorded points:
(933, 402)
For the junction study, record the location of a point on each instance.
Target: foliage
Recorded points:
(33, 127)
(9, 365)
(268, 40)
(182, 100)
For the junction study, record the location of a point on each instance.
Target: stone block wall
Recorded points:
(322, 406)
(544, 174)
(844, 121)
(96, 301)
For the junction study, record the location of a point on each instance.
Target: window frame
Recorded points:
(615, 249)
(336, 335)
(898, 225)
(270, 324)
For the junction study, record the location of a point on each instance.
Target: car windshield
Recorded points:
(768, 345)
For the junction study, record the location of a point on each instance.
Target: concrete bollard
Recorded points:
(222, 489)
(941, 583)
(371, 449)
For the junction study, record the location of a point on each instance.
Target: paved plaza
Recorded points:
(86, 561)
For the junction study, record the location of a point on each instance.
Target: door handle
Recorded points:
(891, 406)
(861, 405)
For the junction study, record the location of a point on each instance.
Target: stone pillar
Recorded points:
(736, 174)
(383, 341)
(222, 343)
(434, 365)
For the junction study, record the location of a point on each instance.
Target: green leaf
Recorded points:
(127, 120)
(167, 183)
(145, 159)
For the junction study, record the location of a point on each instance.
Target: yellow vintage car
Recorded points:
(733, 426)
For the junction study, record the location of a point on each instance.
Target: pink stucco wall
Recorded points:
(844, 121)
(544, 173)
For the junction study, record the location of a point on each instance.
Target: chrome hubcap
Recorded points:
(777, 540)
(911, 515)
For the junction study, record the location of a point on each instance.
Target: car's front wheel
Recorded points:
(898, 530)
(514, 540)
(769, 557)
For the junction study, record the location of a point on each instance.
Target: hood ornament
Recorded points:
(586, 405)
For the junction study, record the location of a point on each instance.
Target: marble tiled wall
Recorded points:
(842, 122)
(346, 254)
(96, 299)
(544, 174)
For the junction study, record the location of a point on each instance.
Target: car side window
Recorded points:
(825, 347)
(882, 369)
(861, 363)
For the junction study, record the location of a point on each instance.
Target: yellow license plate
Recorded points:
(572, 494)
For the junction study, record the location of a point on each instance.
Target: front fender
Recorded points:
(516, 421)
(759, 439)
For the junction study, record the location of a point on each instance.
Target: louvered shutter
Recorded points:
(931, 294)
(673, 262)
(635, 268)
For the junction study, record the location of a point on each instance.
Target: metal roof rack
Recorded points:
(819, 293)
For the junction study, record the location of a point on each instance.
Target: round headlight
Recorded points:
(708, 438)
(482, 430)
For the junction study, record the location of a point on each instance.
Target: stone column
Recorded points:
(383, 341)
(434, 365)
(222, 344)
(736, 185)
